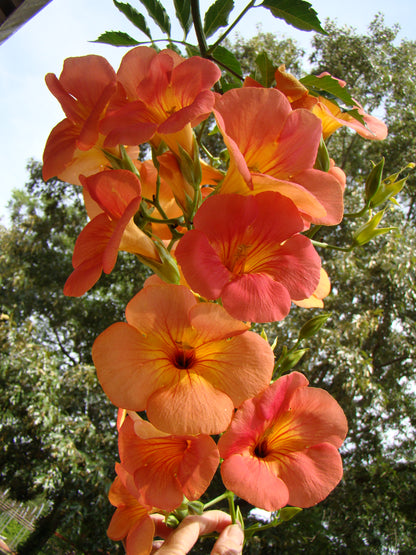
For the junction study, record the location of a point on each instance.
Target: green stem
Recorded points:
(333, 247)
(199, 30)
(271, 524)
(231, 27)
(167, 221)
(176, 235)
(358, 214)
(221, 497)
(312, 231)
(201, 131)
(231, 506)
(210, 156)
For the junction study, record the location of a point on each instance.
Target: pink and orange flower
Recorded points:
(316, 300)
(74, 146)
(329, 113)
(161, 96)
(131, 522)
(247, 250)
(274, 148)
(187, 363)
(282, 446)
(165, 468)
(118, 195)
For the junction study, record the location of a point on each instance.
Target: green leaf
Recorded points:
(390, 187)
(328, 84)
(217, 16)
(373, 181)
(134, 16)
(158, 13)
(387, 191)
(369, 230)
(297, 13)
(226, 58)
(266, 68)
(192, 50)
(355, 114)
(312, 326)
(117, 38)
(287, 513)
(322, 161)
(289, 361)
(184, 15)
(190, 167)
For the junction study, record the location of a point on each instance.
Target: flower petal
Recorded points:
(113, 190)
(161, 309)
(251, 479)
(213, 323)
(198, 466)
(119, 359)
(201, 265)
(311, 475)
(257, 298)
(193, 406)
(83, 278)
(240, 367)
(328, 190)
(140, 539)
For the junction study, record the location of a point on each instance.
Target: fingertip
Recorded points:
(230, 541)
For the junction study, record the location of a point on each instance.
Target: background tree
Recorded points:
(365, 356)
(57, 427)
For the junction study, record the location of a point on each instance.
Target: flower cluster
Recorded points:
(227, 246)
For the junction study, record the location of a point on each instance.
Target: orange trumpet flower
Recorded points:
(188, 364)
(282, 446)
(274, 148)
(166, 468)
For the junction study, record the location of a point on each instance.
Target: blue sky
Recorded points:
(65, 27)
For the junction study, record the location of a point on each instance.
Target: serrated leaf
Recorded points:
(134, 16)
(266, 68)
(117, 38)
(297, 13)
(217, 16)
(184, 15)
(158, 13)
(227, 60)
(355, 114)
(317, 85)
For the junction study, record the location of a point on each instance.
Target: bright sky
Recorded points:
(63, 29)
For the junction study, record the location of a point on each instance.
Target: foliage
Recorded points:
(36, 260)
(380, 70)
(56, 434)
(57, 426)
